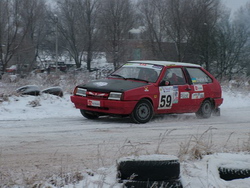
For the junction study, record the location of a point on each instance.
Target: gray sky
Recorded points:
(234, 5)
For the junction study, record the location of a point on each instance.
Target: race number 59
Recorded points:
(168, 97)
(165, 101)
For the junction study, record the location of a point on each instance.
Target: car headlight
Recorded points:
(81, 92)
(115, 96)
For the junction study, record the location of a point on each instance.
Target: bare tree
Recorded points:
(20, 28)
(11, 31)
(154, 14)
(68, 21)
(202, 21)
(231, 48)
(242, 22)
(3, 29)
(88, 11)
(173, 24)
(33, 17)
(77, 23)
(116, 20)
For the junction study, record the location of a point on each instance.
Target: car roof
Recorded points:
(166, 63)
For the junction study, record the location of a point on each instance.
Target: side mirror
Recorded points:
(164, 83)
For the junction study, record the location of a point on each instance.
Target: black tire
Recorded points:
(29, 90)
(153, 184)
(231, 174)
(205, 110)
(161, 170)
(88, 115)
(143, 112)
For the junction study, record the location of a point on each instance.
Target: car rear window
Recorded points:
(198, 76)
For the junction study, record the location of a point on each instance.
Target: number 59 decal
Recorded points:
(166, 101)
(168, 96)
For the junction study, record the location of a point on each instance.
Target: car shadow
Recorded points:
(156, 119)
(174, 117)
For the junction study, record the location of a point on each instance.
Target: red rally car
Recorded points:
(140, 89)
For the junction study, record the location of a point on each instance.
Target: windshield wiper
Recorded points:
(117, 75)
(138, 79)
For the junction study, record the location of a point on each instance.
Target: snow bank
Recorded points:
(194, 174)
(37, 107)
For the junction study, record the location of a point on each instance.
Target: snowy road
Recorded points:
(51, 145)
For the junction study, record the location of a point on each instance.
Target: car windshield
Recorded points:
(139, 71)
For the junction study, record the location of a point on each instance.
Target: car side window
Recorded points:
(198, 76)
(175, 76)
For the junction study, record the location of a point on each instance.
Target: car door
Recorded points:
(175, 94)
(201, 85)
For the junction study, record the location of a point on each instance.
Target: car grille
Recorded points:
(97, 95)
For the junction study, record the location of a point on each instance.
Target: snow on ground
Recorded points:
(199, 173)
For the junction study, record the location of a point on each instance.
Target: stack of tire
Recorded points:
(35, 91)
(149, 171)
(29, 90)
(228, 174)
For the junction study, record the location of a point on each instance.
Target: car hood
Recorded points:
(115, 85)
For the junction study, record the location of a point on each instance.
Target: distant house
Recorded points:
(136, 47)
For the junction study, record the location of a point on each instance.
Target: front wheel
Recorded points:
(205, 110)
(143, 111)
(88, 115)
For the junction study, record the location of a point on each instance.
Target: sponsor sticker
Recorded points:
(176, 94)
(157, 67)
(94, 103)
(198, 95)
(198, 87)
(185, 95)
(194, 80)
(100, 84)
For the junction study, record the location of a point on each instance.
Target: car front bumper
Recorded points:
(103, 106)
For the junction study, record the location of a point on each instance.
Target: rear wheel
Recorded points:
(88, 115)
(205, 110)
(143, 111)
